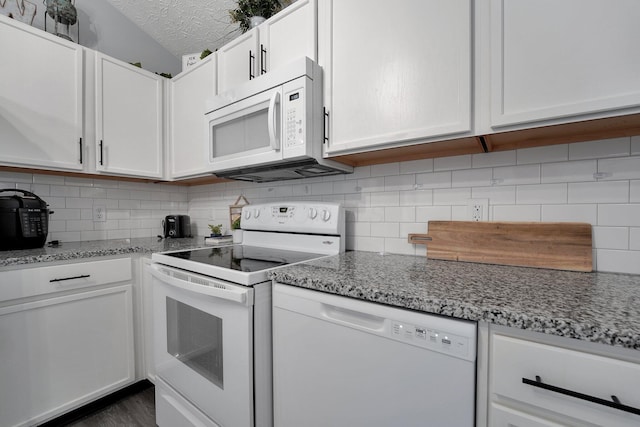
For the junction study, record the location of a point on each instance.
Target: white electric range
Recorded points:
(212, 312)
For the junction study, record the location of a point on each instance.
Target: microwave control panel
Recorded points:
(294, 118)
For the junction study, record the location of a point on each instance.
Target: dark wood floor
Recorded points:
(136, 410)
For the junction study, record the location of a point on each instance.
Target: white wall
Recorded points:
(133, 209)
(105, 29)
(385, 203)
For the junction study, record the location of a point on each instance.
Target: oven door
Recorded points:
(247, 132)
(204, 343)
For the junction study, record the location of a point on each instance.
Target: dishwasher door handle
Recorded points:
(353, 318)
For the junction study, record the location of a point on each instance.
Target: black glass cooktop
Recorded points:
(244, 258)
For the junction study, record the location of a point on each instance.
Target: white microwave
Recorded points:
(271, 128)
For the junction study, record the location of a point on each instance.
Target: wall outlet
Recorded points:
(478, 209)
(99, 213)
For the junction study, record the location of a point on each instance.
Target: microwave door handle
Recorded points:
(271, 118)
(231, 294)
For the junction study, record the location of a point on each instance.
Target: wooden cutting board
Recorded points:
(555, 245)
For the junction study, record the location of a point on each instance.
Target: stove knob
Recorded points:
(313, 213)
(247, 214)
(256, 213)
(326, 215)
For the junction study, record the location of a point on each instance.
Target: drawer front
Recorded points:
(31, 282)
(601, 377)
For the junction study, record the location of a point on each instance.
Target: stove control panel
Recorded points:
(295, 217)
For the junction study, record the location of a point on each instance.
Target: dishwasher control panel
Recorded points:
(433, 339)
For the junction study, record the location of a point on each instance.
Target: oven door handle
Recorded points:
(218, 290)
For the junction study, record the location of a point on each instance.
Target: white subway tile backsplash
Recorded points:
(399, 182)
(516, 213)
(635, 145)
(64, 191)
(369, 185)
(634, 192)
(48, 179)
(116, 193)
(79, 225)
(570, 213)
(416, 198)
(576, 171)
(517, 175)
(452, 163)
(389, 198)
(16, 177)
(407, 228)
(67, 214)
(385, 169)
(385, 229)
(619, 215)
(497, 158)
(499, 195)
(400, 214)
(618, 261)
(398, 246)
(433, 180)
(546, 154)
(599, 192)
(77, 202)
(451, 196)
(118, 234)
(433, 213)
(615, 147)
(460, 213)
(369, 244)
(359, 228)
(620, 168)
(370, 214)
(611, 237)
(65, 236)
(541, 194)
(471, 177)
(416, 166)
(634, 239)
(341, 187)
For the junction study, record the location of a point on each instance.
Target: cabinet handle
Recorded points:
(101, 153)
(80, 142)
(613, 403)
(325, 128)
(82, 276)
(251, 59)
(263, 59)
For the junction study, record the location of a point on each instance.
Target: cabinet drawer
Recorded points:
(587, 374)
(35, 281)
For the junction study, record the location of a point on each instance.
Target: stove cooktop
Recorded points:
(243, 258)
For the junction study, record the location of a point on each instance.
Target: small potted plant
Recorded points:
(247, 9)
(236, 230)
(216, 230)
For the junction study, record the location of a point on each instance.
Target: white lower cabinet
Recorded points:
(66, 334)
(542, 384)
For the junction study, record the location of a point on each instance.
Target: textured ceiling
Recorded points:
(182, 26)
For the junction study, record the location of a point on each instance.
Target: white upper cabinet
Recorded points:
(554, 60)
(395, 74)
(290, 34)
(188, 92)
(41, 99)
(129, 119)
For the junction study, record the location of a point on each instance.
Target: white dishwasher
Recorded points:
(340, 361)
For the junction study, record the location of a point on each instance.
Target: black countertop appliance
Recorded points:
(177, 226)
(24, 220)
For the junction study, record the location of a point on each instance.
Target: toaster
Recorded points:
(177, 226)
(24, 220)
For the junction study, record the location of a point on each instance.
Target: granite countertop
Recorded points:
(78, 250)
(597, 307)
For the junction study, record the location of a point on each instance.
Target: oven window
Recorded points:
(195, 338)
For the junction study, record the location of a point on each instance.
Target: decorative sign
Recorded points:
(235, 212)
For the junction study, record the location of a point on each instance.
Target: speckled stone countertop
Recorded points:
(78, 250)
(597, 307)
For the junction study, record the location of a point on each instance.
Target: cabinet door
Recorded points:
(278, 46)
(60, 352)
(189, 154)
(237, 61)
(40, 99)
(128, 119)
(395, 75)
(552, 60)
